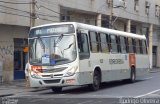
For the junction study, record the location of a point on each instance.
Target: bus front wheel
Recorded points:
(96, 81)
(56, 89)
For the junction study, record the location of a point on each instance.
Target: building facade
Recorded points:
(136, 16)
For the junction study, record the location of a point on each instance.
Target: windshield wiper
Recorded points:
(69, 46)
(59, 39)
(41, 42)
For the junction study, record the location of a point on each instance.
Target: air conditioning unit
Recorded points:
(136, 8)
(147, 4)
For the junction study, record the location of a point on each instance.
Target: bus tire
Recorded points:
(96, 81)
(56, 89)
(133, 75)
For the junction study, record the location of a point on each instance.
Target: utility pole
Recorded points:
(33, 14)
(111, 14)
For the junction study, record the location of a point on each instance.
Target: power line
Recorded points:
(27, 11)
(25, 16)
(44, 1)
(49, 9)
(14, 9)
(15, 2)
(14, 14)
(48, 15)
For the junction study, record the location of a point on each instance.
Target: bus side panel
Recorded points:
(119, 69)
(111, 69)
(87, 67)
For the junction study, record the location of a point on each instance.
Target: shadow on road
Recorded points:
(85, 89)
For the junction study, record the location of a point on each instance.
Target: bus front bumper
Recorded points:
(54, 82)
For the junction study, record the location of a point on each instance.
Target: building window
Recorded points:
(147, 6)
(157, 10)
(133, 29)
(105, 22)
(65, 18)
(136, 5)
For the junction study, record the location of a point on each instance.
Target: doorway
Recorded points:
(19, 58)
(154, 59)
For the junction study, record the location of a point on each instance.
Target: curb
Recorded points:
(154, 71)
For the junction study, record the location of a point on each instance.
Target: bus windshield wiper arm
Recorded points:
(41, 42)
(59, 39)
(69, 46)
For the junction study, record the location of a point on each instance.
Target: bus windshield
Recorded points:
(52, 50)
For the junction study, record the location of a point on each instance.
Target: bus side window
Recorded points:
(130, 45)
(83, 46)
(144, 47)
(123, 44)
(134, 45)
(138, 46)
(104, 42)
(114, 48)
(94, 44)
(109, 42)
(141, 47)
(118, 44)
(127, 46)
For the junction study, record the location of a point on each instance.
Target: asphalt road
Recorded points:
(110, 93)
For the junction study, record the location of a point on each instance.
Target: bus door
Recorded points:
(84, 54)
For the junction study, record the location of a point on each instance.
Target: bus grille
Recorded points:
(56, 75)
(54, 70)
(52, 81)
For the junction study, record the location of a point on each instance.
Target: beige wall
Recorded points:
(94, 6)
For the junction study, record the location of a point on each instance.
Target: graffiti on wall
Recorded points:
(6, 49)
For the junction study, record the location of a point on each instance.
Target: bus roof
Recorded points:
(97, 29)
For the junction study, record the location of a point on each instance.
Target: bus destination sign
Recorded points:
(49, 30)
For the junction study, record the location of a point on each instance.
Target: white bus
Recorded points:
(73, 54)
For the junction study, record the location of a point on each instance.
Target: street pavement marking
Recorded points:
(148, 78)
(147, 93)
(86, 102)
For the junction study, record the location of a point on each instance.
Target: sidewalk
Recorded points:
(154, 70)
(15, 87)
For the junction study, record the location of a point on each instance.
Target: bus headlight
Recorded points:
(71, 71)
(35, 70)
(34, 75)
